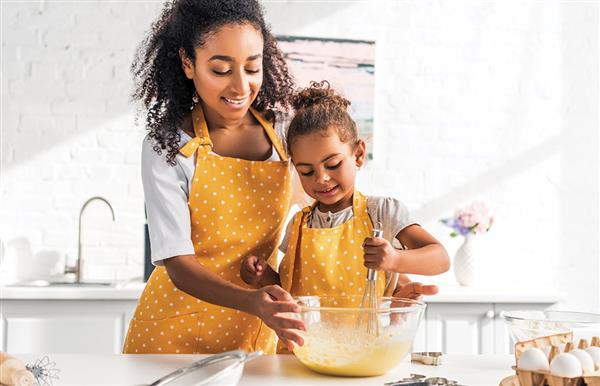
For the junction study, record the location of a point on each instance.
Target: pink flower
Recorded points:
(474, 218)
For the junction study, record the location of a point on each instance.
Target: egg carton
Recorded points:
(544, 378)
(529, 378)
(544, 341)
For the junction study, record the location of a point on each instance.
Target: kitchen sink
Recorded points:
(44, 283)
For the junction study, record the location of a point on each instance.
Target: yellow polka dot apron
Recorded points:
(328, 261)
(237, 209)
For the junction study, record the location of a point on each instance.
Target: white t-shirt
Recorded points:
(166, 191)
(392, 214)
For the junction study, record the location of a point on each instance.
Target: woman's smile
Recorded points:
(236, 103)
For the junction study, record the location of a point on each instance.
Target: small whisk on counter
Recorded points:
(370, 297)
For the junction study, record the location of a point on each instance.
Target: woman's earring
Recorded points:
(195, 100)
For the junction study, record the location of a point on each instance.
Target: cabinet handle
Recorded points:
(490, 314)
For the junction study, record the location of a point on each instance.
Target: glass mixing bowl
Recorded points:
(527, 325)
(344, 339)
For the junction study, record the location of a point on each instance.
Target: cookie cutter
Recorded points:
(421, 380)
(414, 380)
(431, 358)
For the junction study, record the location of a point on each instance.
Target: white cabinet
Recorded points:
(468, 328)
(65, 326)
(460, 328)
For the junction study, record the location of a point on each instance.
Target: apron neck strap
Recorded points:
(359, 204)
(271, 133)
(359, 207)
(200, 126)
(202, 138)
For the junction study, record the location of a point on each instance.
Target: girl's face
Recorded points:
(327, 168)
(228, 70)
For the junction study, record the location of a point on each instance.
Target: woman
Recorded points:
(216, 178)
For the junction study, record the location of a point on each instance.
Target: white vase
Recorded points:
(465, 261)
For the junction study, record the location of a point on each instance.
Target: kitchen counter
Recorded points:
(119, 291)
(132, 291)
(81, 370)
(479, 294)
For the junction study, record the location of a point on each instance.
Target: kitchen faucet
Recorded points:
(76, 269)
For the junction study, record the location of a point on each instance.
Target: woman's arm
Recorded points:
(408, 289)
(192, 278)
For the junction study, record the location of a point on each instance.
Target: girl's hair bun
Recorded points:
(318, 108)
(318, 94)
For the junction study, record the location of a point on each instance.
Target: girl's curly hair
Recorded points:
(160, 83)
(320, 109)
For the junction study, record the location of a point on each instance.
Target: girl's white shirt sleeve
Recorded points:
(393, 215)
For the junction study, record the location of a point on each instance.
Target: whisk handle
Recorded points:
(371, 274)
(377, 232)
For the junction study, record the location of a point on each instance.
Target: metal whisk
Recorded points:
(370, 296)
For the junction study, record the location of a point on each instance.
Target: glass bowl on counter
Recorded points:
(346, 340)
(224, 369)
(526, 325)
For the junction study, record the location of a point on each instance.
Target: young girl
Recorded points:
(216, 179)
(328, 246)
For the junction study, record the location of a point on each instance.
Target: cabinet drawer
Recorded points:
(65, 326)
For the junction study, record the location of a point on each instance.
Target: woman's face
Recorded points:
(327, 168)
(228, 70)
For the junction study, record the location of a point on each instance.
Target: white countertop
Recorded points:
(480, 294)
(271, 370)
(125, 291)
(132, 291)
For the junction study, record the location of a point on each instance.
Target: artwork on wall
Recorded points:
(348, 65)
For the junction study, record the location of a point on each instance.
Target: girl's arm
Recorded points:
(192, 278)
(424, 256)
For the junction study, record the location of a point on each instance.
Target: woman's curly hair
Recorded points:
(320, 109)
(160, 83)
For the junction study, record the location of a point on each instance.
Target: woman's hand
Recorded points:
(414, 290)
(268, 303)
(380, 255)
(252, 270)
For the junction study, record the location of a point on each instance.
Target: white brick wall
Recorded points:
(497, 101)
(68, 134)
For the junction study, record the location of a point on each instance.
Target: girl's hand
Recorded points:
(268, 303)
(380, 254)
(252, 270)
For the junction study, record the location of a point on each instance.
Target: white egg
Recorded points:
(587, 363)
(533, 359)
(566, 365)
(594, 353)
